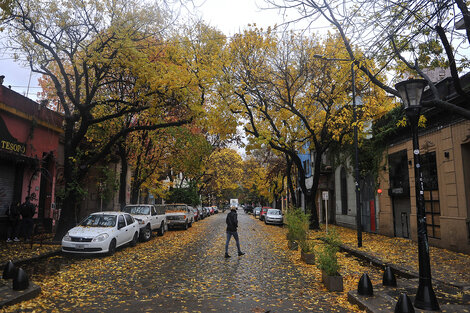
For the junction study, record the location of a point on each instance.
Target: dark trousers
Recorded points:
(229, 235)
(13, 229)
(27, 225)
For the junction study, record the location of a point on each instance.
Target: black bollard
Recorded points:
(9, 270)
(21, 280)
(404, 305)
(389, 278)
(365, 286)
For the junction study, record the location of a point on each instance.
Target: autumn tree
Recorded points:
(86, 49)
(295, 101)
(405, 37)
(223, 175)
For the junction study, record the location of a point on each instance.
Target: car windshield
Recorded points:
(137, 209)
(274, 212)
(99, 220)
(175, 208)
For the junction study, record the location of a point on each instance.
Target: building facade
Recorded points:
(29, 154)
(444, 146)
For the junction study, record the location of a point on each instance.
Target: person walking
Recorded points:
(13, 214)
(232, 225)
(27, 212)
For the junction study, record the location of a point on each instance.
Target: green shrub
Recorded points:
(327, 260)
(297, 225)
(307, 246)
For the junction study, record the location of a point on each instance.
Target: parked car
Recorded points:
(200, 212)
(150, 218)
(274, 216)
(196, 214)
(102, 232)
(248, 209)
(179, 215)
(263, 212)
(216, 209)
(256, 211)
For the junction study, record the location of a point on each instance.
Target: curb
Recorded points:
(20, 262)
(399, 270)
(10, 296)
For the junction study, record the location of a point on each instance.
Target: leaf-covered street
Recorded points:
(185, 271)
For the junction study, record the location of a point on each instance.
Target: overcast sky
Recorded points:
(230, 16)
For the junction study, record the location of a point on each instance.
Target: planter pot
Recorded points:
(332, 283)
(292, 245)
(308, 257)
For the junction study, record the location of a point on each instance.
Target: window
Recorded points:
(344, 192)
(129, 219)
(121, 222)
(431, 194)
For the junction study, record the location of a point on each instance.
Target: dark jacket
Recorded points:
(13, 212)
(27, 210)
(231, 220)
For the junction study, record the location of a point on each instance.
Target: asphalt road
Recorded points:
(183, 271)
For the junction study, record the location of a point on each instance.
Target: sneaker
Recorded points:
(241, 253)
(9, 240)
(226, 255)
(16, 239)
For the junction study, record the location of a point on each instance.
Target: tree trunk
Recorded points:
(123, 176)
(314, 222)
(68, 218)
(290, 186)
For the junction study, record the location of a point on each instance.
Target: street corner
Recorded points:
(8, 296)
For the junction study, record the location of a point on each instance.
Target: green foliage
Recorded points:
(107, 183)
(307, 246)
(186, 195)
(297, 225)
(327, 260)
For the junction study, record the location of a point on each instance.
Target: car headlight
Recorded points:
(100, 238)
(140, 221)
(67, 237)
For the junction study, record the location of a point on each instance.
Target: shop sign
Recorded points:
(8, 142)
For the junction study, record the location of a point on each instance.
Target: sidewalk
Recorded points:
(450, 271)
(20, 253)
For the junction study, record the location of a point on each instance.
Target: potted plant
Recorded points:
(327, 262)
(307, 251)
(297, 227)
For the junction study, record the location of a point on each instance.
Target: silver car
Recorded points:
(274, 216)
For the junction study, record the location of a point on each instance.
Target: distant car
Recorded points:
(256, 211)
(200, 212)
(263, 212)
(216, 209)
(248, 209)
(274, 216)
(179, 215)
(150, 218)
(196, 214)
(102, 232)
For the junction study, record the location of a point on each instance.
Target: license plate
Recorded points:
(80, 246)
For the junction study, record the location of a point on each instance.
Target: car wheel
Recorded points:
(186, 226)
(161, 230)
(146, 233)
(133, 242)
(112, 247)
(191, 224)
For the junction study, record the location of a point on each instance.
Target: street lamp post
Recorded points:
(410, 92)
(356, 153)
(356, 162)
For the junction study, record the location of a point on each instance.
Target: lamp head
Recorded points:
(411, 91)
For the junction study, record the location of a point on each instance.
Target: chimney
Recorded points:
(2, 77)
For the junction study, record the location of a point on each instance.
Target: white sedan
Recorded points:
(274, 216)
(102, 232)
